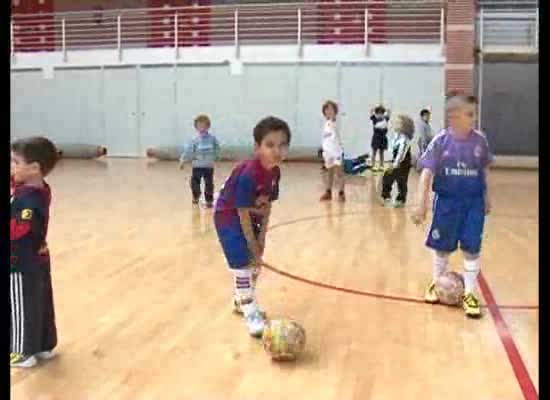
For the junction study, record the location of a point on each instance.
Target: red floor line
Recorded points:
(373, 294)
(518, 366)
(342, 289)
(359, 292)
(517, 307)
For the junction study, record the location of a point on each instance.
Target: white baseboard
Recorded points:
(521, 162)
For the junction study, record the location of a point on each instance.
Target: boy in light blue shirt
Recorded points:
(202, 151)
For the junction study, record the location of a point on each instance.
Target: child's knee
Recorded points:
(442, 254)
(470, 256)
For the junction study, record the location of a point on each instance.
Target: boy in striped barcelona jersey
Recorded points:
(457, 161)
(242, 214)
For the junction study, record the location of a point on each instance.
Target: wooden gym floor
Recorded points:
(143, 295)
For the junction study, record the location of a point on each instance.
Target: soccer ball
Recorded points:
(449, 288)
(284, 339)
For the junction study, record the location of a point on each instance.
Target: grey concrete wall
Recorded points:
(129, 109)
(510, 106)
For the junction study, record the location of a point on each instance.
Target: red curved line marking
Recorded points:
(356, 291)
(313, 217)
(343, 289)
(518, 366)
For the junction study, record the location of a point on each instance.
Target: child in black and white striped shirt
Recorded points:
(401, 166)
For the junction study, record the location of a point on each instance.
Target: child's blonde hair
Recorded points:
(466, 103)
(202, 118)
(405, 125)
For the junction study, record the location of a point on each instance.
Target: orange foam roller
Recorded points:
(168, 153)
(87, 151)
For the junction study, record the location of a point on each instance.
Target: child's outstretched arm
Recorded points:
(263, 230)
(216, 149)
(188, 154)
(488, 160)
(488, 201)
(401, 153)
(424, 184)
(246, 226)
(429, 162)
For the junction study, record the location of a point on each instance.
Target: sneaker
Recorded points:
(386, 202)
(398, 204)
(22, 361)
(341, 197)
(195, 201)
(430, 296)
(45, 355)
(209, 204)
(236, 308)
(470, 303)
(327, 196)
(255, 324)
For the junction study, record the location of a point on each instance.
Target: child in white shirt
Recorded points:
(333, 154)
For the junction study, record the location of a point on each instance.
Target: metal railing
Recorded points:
(351, 22)
(508, 25)
(508, 5)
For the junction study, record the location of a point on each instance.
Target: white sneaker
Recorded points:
(255, 324)
(21, 361)
(236, 308)
(45, 355)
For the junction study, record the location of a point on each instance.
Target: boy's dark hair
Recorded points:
(379, 110)
(270, 124)
(424, 111)
(329, 103)
(37, 149)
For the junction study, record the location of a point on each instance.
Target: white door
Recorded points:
(121, 111)
(157, 94)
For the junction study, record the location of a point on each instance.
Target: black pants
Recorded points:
(379, 142)
(33, 327)
(208, 175)
(399, 175)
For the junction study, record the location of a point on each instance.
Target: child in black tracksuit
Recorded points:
(401, 166)
(33, 331)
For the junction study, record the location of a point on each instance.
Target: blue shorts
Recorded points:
(457, 220)
(233, 241)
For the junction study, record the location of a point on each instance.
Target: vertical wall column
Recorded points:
(460, 32)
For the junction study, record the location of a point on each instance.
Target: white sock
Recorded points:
(244, 291)
(471, 271)
(439, 265)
